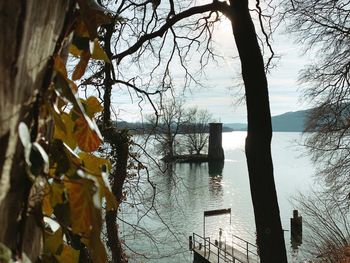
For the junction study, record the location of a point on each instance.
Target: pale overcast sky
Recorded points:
(219, 95)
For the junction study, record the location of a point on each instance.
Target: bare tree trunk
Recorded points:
(120, 152)
(120, 147)
(29, 30)
(270, 238)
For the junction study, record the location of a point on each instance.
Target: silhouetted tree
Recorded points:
(188, 27)
(166, 127)
(326, 227)
(322, 28)
(196, 128)
(270, 238)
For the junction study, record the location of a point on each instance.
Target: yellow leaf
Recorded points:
(81, 29)
(68, 255)
(92, 106)
(53, 195)
(73, 86)
(60, 67)
(87, 137)
(93, 163)
(97, 249)
(74, 50)
(57, 194)
(111, 201)
(64, 160)
(81, 66)
(93, 166)
(86, 218)
(98, 53)
(56, 113)
(66, 135)
(46, 206)
(93, 16)
(95, 246)
(53, 241)
(65, 89)
(81, 205)
(86, 215)
(60, 102)
(52, 171)
(73, 157)
(59, 133)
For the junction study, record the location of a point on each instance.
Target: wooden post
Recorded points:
(31, 32)
(296, 229)
(215, 151)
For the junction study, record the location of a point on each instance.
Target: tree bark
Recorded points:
(270, 238)
(120, 153)
(120, 146)
(30, 30)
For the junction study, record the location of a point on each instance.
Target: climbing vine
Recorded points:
(67, 174)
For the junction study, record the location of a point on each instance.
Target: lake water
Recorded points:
(157, 227)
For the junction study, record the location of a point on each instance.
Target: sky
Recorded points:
(221, 88)
(222, 95)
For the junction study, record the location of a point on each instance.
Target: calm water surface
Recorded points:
(158, 228)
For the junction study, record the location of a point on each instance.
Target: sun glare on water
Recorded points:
(234, 142)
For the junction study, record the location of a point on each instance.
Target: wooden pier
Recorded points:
(238, 251)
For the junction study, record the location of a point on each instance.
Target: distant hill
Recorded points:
(287, 122)
(236, 126)
(141, 128)
(293, 121)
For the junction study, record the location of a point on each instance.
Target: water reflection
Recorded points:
(185, 190)
(198, 182)
(215, 169)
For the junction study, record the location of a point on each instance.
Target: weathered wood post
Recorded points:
(215, 151)
(296, 229)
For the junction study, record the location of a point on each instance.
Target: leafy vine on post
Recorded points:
(49, 171)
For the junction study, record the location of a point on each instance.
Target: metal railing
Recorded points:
(210, 249)
(238, 244)
(235, 250)
(250, 249)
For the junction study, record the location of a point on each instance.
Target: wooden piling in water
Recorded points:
(296, 228)
(215, 150)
